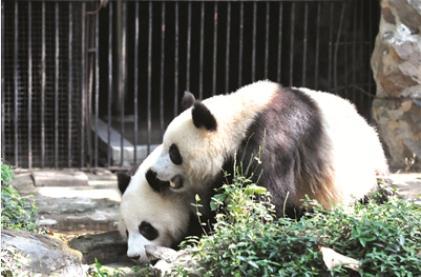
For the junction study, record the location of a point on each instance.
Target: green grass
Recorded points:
(249, 241)
(17, 212)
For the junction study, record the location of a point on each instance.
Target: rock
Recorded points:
(333, 259)
(396, 64)
(63, 206)
(27, 254)
(408, 185)
(126, 270)
(66, 204)
(24, 183)
(107, 247)
(77, 214)
(155, 252)
(169, 260)
(60, 178)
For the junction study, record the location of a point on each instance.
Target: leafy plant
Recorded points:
(249, 241)
(99, 270)
(6, 174)
(18, 212)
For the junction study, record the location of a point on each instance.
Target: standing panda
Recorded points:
(294, 141)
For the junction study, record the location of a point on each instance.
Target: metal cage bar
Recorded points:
(136, 80)
(16, 83)
(29, 85)
(90, 86)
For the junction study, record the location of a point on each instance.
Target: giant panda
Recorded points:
(293, 141)
(296, 142)
(153, 215)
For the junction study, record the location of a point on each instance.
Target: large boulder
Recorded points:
(28, 254)
(396, 64)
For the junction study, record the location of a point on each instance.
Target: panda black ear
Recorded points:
(123, 181)
(187, 101)
(202, 117)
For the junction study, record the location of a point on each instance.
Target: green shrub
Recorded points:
(249, 241)
(17, 212)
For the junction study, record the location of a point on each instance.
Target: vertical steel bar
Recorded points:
(291, 48)
(122, 74)
(136, 81)
(253, 53)
(317, 50)
(329, 65)
(279, 65)
(43, 82)
(2, 112)
(110, 79)
(29, 85)
(70, 86)
(202, 26)
(215, 46)
(227, 49)
(176, 30)
(56, 81)
(337, 43)
(370, 45)
(16, 82)
(346, 88)
(150, 70)
(188, 46)
(362, 45)
(96, 103)
(162, 69)
(354, 50)
(83, 84)
(240, 52)
(266, 70)
(90, 60)
(305, 41)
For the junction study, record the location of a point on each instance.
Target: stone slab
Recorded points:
(60, 178)
(77, 214)
(24, 183)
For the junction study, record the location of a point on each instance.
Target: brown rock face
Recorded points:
(396, 64)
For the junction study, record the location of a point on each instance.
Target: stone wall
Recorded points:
(396, 64)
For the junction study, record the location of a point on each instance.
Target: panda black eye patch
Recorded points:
(175, 155)
(148, 231)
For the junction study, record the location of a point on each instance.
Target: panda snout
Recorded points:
(155, 183)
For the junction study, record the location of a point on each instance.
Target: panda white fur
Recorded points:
(294, 142)
(150, 217)
(306, 142)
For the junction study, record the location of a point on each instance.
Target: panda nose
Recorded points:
(134, 257)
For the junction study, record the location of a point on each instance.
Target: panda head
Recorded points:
(190, 153)
(151, 217)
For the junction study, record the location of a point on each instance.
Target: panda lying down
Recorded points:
(293, 141)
